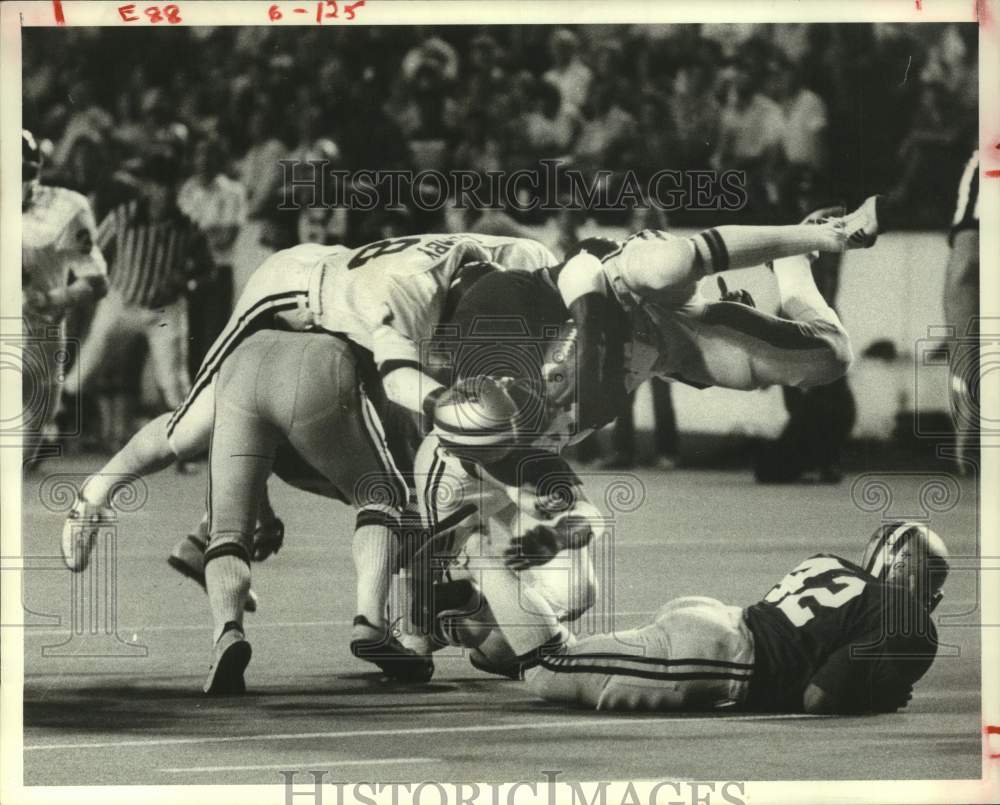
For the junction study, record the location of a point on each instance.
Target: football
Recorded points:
(475, 419)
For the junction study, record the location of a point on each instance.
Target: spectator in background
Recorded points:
(218, 207)
(694, 112)
(751, 129)
(152, 251)
(568, 72)
(427, 115)
(607, 131)
(485, 79)
(606, 140)
(803, 138)
(261, 173)
(550, 125)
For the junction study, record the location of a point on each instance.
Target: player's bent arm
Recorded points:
(599, 383)
(875, 680)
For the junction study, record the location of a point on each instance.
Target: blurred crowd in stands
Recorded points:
(814, 114)
(842, 110)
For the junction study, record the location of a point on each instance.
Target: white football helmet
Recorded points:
(911, 555)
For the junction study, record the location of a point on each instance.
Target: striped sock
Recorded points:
(227, 578)
(374, 548)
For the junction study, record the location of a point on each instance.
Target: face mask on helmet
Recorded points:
(910, 555)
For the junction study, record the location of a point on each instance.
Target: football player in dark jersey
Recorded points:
(831, 637)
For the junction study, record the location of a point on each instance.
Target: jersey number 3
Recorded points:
(791, 595)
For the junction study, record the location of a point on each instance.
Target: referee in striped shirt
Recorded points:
(153, 251)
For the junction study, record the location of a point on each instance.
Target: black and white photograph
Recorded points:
(498, 402)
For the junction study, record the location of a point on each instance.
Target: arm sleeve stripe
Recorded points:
(718, 250)
(392, 365)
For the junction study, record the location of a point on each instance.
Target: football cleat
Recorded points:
(83, 524)
(267, 539)
(188, 559)
(379, 647)
(232, 655)
(861, 227)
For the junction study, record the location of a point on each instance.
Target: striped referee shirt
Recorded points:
(150, 261)
(967, 206)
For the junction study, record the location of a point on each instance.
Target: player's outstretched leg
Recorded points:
(242, 454)
(734, 246)
(156, 446)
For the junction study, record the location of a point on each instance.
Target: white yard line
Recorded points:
(308, 764)
(602, 722)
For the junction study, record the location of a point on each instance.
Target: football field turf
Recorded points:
(97, 712)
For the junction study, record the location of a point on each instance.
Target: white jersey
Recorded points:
(58, 240)
(388, 296)
(663, 331)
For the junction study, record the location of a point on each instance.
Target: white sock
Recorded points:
(800, 298)
(227, 579)
(374, 551)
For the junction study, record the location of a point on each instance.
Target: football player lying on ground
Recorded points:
(302, 390)
(494, 449)
(832, 637)
(384, 297)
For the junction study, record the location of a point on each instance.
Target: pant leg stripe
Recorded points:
(247, 324)
(557, 665)
(656, 660)
(430, 490)
(380, 444)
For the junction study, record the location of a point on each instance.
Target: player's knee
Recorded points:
(668, 271)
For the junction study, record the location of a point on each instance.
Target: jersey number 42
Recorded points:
(801, 590)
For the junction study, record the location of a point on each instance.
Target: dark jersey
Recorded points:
(500, 325)
(862, 641)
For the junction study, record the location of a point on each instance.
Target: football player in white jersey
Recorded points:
(385, 298)
(663, 327)
(61, 267)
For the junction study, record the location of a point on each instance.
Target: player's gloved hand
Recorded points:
(534, 547)
(267, 539)
(895, 700)
(740, 295)
(539, 544)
